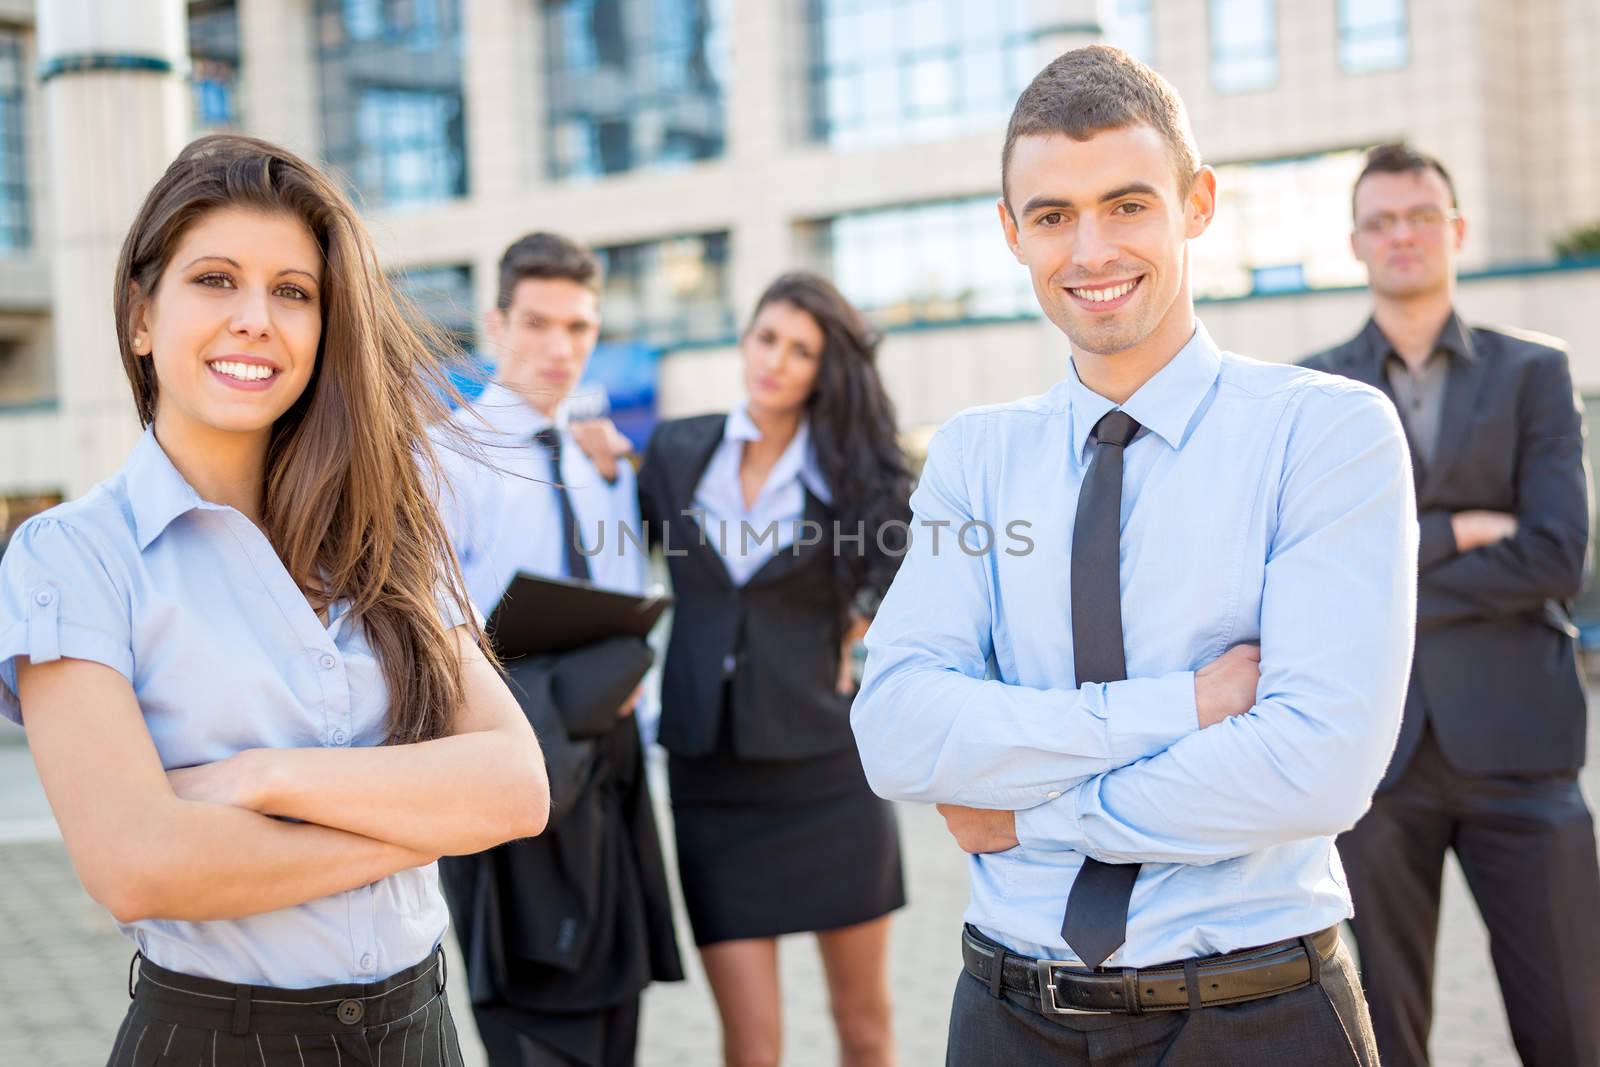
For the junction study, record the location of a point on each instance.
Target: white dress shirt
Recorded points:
(743, 536)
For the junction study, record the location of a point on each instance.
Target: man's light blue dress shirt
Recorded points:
(502, 513)
(1262, 503)
(189, 602)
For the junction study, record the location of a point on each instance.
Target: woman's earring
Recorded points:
(138, 344)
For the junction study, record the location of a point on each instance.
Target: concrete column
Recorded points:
(499, 81)
(278, 85)
(116, 112)
(503, 88)
(761, 131)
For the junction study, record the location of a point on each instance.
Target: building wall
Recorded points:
(1505, 93)
(935, 372)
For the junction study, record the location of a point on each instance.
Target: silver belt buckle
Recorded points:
(1047, 991)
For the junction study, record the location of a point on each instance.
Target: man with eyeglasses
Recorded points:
(1493, 732)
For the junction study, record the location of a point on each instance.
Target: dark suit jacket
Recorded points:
(1496, 670)
(579, 918)
(784, 627)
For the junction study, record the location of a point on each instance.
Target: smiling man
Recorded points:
(1147, 730)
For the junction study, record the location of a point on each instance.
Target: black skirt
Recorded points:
(180, 1019)
(770, 847)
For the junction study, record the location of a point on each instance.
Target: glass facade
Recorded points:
(943, 261)
(1281, 225)
(1244, 45)
(667, 292)
(631, 84)
(883, 71)
(214, 64)
(16, 233)
(1130, 25)
(393, 117)
(444, 295)
(1372, 35)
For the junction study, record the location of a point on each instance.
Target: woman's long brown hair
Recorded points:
(349, 502)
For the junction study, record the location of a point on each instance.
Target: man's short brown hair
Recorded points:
(1090, 90)
(1400, 158)
(546, 255)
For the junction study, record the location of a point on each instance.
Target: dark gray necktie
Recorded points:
(1096, 923)
(577, 562)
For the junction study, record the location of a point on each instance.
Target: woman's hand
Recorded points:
(856, 631)
(234, 781)
(603, 443)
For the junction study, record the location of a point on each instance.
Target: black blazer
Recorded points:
(783, 628)
(578, 919)
(1496, 670)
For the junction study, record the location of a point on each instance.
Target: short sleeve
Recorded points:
(58, 601)
(450, 608)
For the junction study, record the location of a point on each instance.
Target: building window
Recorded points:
(1244, 45)
(884, 71)
(392, 112)
(1372, 35)
(633, 83)
(214, 64)
(15, 231)
(926, 263)
(667, 292)
(443, 296)
(1281, 226)
(1130, 26)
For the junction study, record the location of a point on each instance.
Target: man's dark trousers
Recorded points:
(1320, 1025)
(1494, 729)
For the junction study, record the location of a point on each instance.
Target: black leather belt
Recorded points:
(1056, 988)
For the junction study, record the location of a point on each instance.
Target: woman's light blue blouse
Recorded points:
(744, 537)
(188, 600)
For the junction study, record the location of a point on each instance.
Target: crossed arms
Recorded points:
(1128, 771)
(1486, 565)
(199, 844)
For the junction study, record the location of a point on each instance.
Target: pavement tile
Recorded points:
(63, 965)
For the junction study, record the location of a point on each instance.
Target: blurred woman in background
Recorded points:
(783, 521)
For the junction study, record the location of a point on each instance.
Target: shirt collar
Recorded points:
(799, 459)
(740, 426)
(508, 415)
(157, 493)
(1164, 404)
(1454, 338)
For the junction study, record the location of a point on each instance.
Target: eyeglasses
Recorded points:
(1422, 220)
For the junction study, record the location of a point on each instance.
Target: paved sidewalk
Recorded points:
(63, 965)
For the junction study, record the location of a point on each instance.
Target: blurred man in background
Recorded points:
(1493, 732)
(561, 933)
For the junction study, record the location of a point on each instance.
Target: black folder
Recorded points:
(543, 616)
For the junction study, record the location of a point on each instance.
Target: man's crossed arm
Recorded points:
(1128, 771)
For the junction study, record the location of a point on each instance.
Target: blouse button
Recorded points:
(326, 661)
(339, 737)
(368, 961)
(43, 598)
(1053, 794)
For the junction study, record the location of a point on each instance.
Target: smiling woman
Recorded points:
(251, 679)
